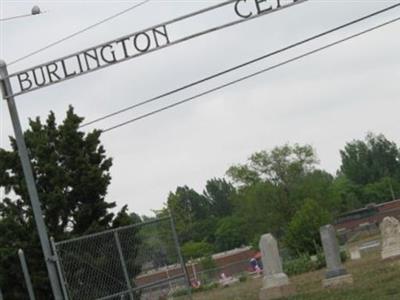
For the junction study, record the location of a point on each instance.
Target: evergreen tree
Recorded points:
(72, 174)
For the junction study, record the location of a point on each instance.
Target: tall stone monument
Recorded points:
(390, 231)
(275, 283)
(336, 274)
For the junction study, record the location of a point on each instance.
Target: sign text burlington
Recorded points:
(133, 45)
(94, 58)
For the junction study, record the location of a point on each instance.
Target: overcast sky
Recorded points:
(324, 100)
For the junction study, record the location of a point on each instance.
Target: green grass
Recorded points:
(373, 280)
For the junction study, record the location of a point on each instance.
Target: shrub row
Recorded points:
(304, 264)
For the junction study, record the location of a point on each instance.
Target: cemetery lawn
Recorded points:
(373, 280)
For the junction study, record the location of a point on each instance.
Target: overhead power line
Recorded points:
(201, 11)
(78, 32)
(21, 16)
(15, 17)
(249, 76)
(204, 79)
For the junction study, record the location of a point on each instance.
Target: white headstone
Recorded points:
(390, 231)
(275, 282)
(355, 253)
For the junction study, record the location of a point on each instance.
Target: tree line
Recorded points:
(284, 192)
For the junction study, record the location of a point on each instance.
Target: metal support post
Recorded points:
(30, 182)
(1, 295)
(121, 257)
(181, 260)
(60, 273)
(27, 277)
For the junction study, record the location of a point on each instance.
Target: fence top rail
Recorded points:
(158, 220)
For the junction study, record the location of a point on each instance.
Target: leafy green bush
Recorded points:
(255, 242)
(303, 235)
(299, 265)
(197, 249)
(209, 270)
(303, 263)
(320, 262)
(242, 277)
(207, 263)
(343, 256)
(230, 233)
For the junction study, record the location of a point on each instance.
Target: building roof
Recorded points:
(381, 206)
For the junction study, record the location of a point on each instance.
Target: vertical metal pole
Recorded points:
(30, 182)
(181, 260)
(194, 271)
(27, 277)
(1, 295)
(60, 273)
(121, 257)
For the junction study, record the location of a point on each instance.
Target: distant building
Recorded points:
(367, 218)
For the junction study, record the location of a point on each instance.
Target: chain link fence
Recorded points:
(222, 275)
(228, 281)
(136, 262)
(17, 283)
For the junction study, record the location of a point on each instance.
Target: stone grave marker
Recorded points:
(355, 253)
(390, 231)
(336, 274)
(275, 283)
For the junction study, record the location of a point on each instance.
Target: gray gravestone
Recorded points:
(336, 273)
(275, 282)
(390, 231)
(332, 252)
